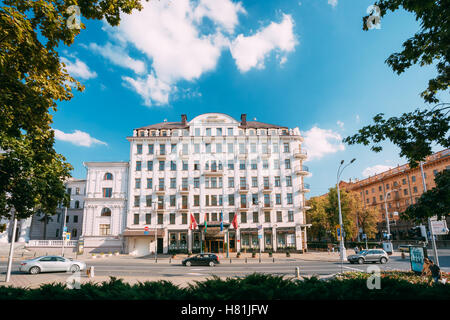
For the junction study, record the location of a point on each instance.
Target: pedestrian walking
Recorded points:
(435, 272)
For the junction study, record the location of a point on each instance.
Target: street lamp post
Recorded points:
(154, 202)
(342, 252)
(387, 219)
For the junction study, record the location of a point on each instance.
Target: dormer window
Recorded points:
(108, 176)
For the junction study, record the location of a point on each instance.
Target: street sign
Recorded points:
(416, 256)
(67, 236)
(65, 229)
(364, 236)
(338, 232)
(439, 227)
(259, 236)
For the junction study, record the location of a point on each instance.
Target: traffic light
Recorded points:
(417, 233)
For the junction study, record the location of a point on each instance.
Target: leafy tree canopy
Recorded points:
(434, 202)
(33, 79)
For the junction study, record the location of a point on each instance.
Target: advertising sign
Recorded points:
(439, 227)
(416, 256)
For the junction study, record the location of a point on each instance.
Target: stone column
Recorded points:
(238, 240)
(274, 239)
(190, 240)
(165, 241)
(25, 227)
(298, 238)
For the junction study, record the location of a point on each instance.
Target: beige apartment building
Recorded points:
(401, 187)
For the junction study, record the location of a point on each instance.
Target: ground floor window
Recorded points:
(105, 229)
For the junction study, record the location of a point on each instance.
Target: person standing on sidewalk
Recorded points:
(435, 272)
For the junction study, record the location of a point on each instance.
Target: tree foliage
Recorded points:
(324, 215)
(434, 202)
(430, 45)
(413, 132)
(32, 81)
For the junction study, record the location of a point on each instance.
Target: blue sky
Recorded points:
(305, 64)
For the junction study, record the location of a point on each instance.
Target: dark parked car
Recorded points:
(204, 259)
(373, 255)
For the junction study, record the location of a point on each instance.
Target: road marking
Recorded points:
(197, 269)
(195, 274)
(353, 269)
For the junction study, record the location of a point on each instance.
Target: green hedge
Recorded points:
(255, 286)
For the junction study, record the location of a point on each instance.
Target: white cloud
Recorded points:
(118, 56)
(151, 89)
(319, 142)
(177, 44)
(250, 52)
(370, 171)
(340, 124)
(333, 3)
(78, 69)
(222, 12)
(78, 138)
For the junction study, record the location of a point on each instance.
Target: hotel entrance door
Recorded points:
(215, 246)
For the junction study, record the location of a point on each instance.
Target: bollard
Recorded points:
(259, 260)
(297, 272)
(403, 255)
(170, 260)
(245, 260)
(230, 260)
(273, 260)
(92, 272)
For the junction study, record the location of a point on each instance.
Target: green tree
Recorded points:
(367, 217)
(317, 217)
(415, 132)
(434, 202)
(348, 209)
(33, 79)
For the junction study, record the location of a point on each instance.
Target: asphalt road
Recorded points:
(148, 268)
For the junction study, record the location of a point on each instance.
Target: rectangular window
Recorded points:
(208, 147)
(185, 165)
(230, 148)
(149, 183)
(253, 147)
(230, 131)
(196, 182)
(139, 148)
(265, 164)
(277, 182)
(137, 183)
(196, 201)
(75, 219)
(138, 165)
(173, 148)
(207, 200)
(161, 184)
(413, 178)
(173, 183)
(415, 189)
(230, 182)
(150, 165)
(160, 218)
(278, 198)
(254, 198)
(289, 198)
(197, 217)
(230, 217)
(288, 181)
(276, 164)
(148, 200)
(150, 149)
(242, 165)
(275, 148)
(173, 165)
(148, 218)
(279, 216)
(173, 200)
(231, 199)
(230, 165)
(197, 132)
(136, 201)
(405, 192)
(267, 216)
(104, 229)
(161, 166)
(290, 216)
(208, 132)
(286, 147)
(183, 218)
(107, 192)
(218, 148)
(218, 131)
(243, 201)
(287, 163)
(136, 219)
(243, 217)
(196, 165)
(162, 149)
(253, 165)
(172, 218)
(242, 148)
(255, 217)
(254, 182)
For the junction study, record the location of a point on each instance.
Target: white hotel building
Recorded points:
(210, 166)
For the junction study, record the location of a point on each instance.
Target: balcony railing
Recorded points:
(243, 188)
(267, 187)
(300, 154)
(51, 243)
(161, 154)
(302, 170)
(184, 189)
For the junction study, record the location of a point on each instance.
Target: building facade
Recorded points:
(211, 168)
(399, 187)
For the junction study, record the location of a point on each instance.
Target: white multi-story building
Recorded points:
(210, 167)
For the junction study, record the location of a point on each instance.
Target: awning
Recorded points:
(142, 233)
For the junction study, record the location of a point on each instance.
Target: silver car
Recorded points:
(51, 264)
(372, 255)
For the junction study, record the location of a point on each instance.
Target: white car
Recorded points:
(51, 264)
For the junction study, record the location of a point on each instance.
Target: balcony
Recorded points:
(266, 154)
(301, 170)
(243, 188)
(160, 190)
(213, 171)
(305, 188)
(161, 155)
(267, 188)
(243, 207)
(183, 208)
(184, 189)
(300, 154)
(160, 207)
(268, 205)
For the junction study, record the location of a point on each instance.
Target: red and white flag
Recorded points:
(193, 224)
(234, 222)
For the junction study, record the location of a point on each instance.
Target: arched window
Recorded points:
(108, 176)
(77, 204)
(106, 212)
